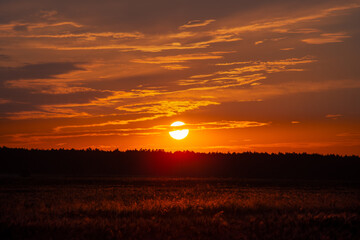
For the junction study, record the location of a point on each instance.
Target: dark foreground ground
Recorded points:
(135, 208)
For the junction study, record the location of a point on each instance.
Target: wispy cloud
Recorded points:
(196, 23)
(271, 66)
(175, 67)
(220, 82)
(46, 78)
(48, 86)
(252, 72)
(36, 25)
(38, 71)
(197, 87)
(87, 36)
(296, 30)
(227, 125)
(170, 62)
(327, 38)
(125, 47)
(3, 101)
(275, 24)
(179, 58)
(348, 134)
(93, 40)
(287, 49)
(226, 79)
(169, 108)
(56, 35)
(333, 116)
(144, 46)
(153, 110)
(47, 114)
(131, 131)
(266, 91)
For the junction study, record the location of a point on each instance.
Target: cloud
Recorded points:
(175, 67)
(268, 39)
(349, 134)
(48, 14)
(40, 138)
(169, 108)
(37, 71)
(268, 66)
(333, 116)
(48, 86)
(296, 30)
(230, 79)
(201, 76)
(4, 57)
(226, 125)
(153, 110)
(144, 46)
(219, 82)
(267, 91)
(44, 78)
(59, 30)
(169, 62)
(4, 101)
(37, 25)
(58, 34)
(196, 23)
(125, 47)
(215, 125)
(58, 39)
(131, 131)
(113, 98)
(327, 38)
(207, 85)
(117, 97)
(229, 64)
(252, 72)
(275, 24)
(88, 35)
(46, 114)
(179, 58)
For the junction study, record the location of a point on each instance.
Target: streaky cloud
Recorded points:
(327, 38)
(196, 23)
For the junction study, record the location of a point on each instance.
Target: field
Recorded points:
(177, 208)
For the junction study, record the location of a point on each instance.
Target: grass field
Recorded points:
(135, 208)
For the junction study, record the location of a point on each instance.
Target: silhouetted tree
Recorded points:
(157, 162)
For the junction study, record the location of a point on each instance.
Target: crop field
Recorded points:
(177, 208)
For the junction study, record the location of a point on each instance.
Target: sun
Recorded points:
(178, 134)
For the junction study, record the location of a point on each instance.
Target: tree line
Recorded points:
(145, 162)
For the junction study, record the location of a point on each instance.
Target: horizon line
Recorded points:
(172, 152)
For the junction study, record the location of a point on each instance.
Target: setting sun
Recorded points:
(178, 134)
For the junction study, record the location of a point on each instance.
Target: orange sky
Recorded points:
(243, 75)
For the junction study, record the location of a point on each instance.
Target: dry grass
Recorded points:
(177, 209)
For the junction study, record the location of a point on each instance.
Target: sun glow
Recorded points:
(178, 134)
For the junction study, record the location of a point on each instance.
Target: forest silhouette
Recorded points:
(95, 162)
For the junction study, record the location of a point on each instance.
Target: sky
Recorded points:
(265, 76)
